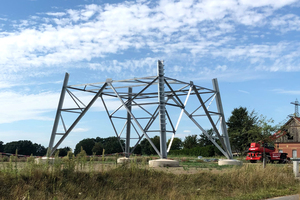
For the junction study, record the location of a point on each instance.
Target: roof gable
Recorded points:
(296, 120)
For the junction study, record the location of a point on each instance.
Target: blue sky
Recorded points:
(251, 47)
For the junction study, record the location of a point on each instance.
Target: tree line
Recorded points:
(244, 127)
(23, 147)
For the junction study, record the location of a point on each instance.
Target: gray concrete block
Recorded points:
(229, 162)
(163, 163)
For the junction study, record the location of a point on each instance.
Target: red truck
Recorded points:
(256, 150)
(256, 153)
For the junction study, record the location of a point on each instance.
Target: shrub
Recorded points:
(206, 151)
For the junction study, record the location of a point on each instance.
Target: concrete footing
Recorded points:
(44, 160)
(163, 163)
(124, 160)
(229, 162)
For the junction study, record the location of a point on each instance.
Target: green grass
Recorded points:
(205, 165)
(77, 178)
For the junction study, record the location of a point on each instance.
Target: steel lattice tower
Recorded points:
(296, 103)
(146, 106)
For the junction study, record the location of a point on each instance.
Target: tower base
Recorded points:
(163, 163)
(229, 162)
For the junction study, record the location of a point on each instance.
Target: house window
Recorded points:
(280, 151)
(294, 153)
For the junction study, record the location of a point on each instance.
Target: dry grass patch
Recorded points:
(71, 178)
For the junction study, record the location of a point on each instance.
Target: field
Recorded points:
(78, 178)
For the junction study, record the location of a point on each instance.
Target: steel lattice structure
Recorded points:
(146, 106)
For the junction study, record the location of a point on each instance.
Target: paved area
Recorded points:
(292, 197)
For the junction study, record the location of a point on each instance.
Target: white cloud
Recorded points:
(243, 91)
(92, 34)
(56, 14)
(16, 107)
(80, 130)
(285, 23)
(157, 27)
(275, 4)
(291, 92)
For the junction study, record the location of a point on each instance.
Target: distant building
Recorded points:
(290, 142)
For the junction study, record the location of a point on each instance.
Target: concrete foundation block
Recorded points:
(124, 160)
(44, 160)
(163, 163)
(229, 162)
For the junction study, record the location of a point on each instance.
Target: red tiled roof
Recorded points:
(297, 118)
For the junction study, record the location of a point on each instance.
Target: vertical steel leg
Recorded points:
(134, 119)
(223, 123)
(58, 113)
(127, 144)
(79, 118)
(162, 109)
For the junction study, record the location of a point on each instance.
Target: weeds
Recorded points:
(68, 178)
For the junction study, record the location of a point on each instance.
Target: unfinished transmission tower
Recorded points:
(147, 105)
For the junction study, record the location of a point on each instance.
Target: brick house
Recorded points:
(290, 143)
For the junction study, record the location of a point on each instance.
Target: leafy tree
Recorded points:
(190, 142)
(86, 144)
(25, 147)
(266, 129)
(98, 148)
(156, 142)
(138, 149)
(112, 145)
(204, 141)
(147, 149)
(40, 150)
(63, 151)
(99, 139)
(176, 144)
(1, 146)
(245, 127)
(241, 126)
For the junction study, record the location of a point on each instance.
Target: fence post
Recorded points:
(296, 167)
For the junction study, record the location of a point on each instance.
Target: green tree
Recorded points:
(138, 149)
(63, 151)
(147, 149)
(25, 147)
(1, 146)
(241, 129)
(203, 140)
(86, 144)
(40, 150)
(156, 142)
(176, 144)
(190, 142)
(245, 128)
(112, 145)
(98, 148)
